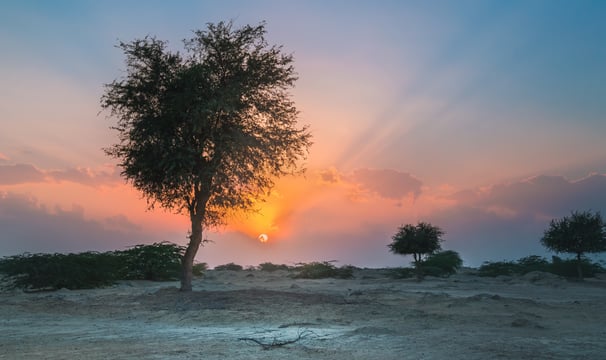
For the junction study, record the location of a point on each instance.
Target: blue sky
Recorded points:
(440, 99)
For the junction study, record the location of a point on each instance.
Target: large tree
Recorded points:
(582, 232)
(206, 132)
(417, 240)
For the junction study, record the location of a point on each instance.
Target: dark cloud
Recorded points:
(387, 183)
(544, 195)
(507, 221)
(27, 173)
(28, 226)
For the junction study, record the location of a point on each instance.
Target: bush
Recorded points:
(320, 270)
(56, 271)
(532, 263)
(160, 261)
(569, 267)
(199, 269)
(443, 263)
(272, 267)
(498, 268)
(230, 266)
(157, 262)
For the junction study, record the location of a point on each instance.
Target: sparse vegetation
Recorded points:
(321, 270)
(419, 240)
(558, 266)
(442, 263)
(270, 267)
(230, 266)
(159, 261)
(578, 234)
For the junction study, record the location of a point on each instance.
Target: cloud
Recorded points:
(3, 158)
(19, 174)
(390, 184)
(27, 173)
(28, 226)
(506, 221)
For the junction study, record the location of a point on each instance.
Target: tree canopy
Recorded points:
(205, 132)
(580, 233)
(417, 240)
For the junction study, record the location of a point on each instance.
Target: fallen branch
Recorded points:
(275, 343)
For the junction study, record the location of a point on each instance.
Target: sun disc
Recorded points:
(263, 238)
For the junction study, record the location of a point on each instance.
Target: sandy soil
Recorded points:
(230, 314)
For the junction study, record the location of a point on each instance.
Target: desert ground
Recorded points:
(269, 315)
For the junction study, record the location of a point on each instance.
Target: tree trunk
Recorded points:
(579, 267)
(418, 267)
(187, 263)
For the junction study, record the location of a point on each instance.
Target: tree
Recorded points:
(422, 239)
(582, 232)
(206, 132)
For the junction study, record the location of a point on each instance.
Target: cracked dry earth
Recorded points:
(231, 315)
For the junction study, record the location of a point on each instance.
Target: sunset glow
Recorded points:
(485, 118)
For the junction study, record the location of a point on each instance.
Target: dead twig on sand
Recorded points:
(278, 343)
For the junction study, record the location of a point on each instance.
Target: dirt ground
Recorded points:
(263, 315)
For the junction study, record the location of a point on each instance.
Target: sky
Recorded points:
(485, 118)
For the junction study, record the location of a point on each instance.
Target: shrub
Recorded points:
(157, 262)
(267, 266)
(56, 271)
(569, 267)
(320, 270)
(443, 263)
(160, 261)
(231, 266)
(498, 268)
(532, 263)
(199, 269)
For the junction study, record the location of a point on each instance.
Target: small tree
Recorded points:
(419, 241)
(582, 232)
(205, 132)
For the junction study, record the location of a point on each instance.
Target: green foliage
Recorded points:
(558, 266)
(267, 266)
(231, 267)
(532, 263)
(569, 267)
(199, 269)
(442, 263)
(205, 131)
(56, 271)
(159, 261)
(419, 241)
(498, 268)
(321, 270)
(581, 233)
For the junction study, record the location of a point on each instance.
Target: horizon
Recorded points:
(485, 119)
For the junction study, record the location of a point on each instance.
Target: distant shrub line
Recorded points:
(157, 262)
(557, 266)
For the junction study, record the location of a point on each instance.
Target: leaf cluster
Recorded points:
(579, 233)
(205, 131)
(417, 240)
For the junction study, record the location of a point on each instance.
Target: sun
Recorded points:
(263, 238)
